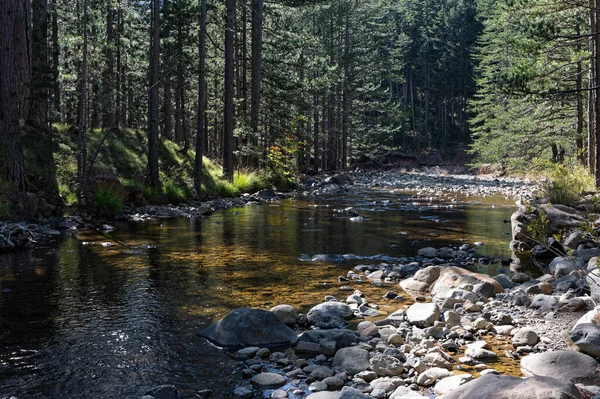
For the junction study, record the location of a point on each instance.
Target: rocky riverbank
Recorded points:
(467, 335)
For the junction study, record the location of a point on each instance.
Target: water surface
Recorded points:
(79, 320)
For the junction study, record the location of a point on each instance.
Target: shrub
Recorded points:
(226, 189)
(567, 182)
(176, 192)
(107, 203)
(248, 181)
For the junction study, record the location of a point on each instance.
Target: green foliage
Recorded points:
(177, 192)
(68, 196)
(567, 182)
(226, 189)
(4, 211)
(281, 161)
(248, 181)
(107, 203)
(538, 227)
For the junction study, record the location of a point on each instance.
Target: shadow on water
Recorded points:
(88, 321)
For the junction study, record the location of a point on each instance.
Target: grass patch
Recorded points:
(567, 182)
(107, 203)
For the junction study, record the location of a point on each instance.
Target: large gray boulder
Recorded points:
(492, 386)
(440, 279)
(586, 338)
(562, 266)
(244, 327)
(329, 315)
(353, 393)
(352, 360)
(423, 315)
(525, 336)
(386, 366)
(563, 365)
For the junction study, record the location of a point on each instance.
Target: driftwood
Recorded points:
(23, 235)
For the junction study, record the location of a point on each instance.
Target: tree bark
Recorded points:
(56, 114)
(168, 112)
(15, 165)
(229, 110)
(153, 178)
(22, 37)
(201, 122)
(108, 79)
(40, 79)
(83, 115)
(257, 22)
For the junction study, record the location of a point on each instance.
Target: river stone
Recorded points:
(342, 337)
(525, 336)
(242, 393)
(586, 337)
(164, 392)
(279, 394)
(286, 313)
(563, 365)
(367, 329)
(329, 315)
(430, 376)
(386, 384)
(422, 279)
(543, 302)
(268, 380)
(244, 327)
(492, 386)
(406, 393)
(352, 359)
(428, 252)
(561, 265)
(353, 393)
(423, 315)
(481, 354)
(448, 384)
(455, 277)
(571, 305)
(386, 366)
(325, 395)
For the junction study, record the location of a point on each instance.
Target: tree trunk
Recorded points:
(108, 79)
(56, 114)
(83, 115)
(153, 178)
(257, 19)
(200, 128)
(168, 112)
(40, 79)
(346, 95)
(22, 37)
(229, 111)
(15, 165)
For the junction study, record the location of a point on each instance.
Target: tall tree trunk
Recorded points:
(257, 20)
(244, 60)
(40, 79)
(15, 165)
(168, 111)
(316, 131)
(346, 102)
(229, 111)
(82, 172)
(201, 123)
(153, 178)
(22, 37)
(56, 106)
(108, 78)
(579, 104)
(596, 84)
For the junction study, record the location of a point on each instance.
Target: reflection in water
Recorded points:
(87, 321)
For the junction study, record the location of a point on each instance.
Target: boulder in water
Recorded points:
(244, 327)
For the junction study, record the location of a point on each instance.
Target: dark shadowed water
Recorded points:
(79, 320)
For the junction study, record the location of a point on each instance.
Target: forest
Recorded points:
(287, 87)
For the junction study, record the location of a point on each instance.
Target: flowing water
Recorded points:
(81, 320)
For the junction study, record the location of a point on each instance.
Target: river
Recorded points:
(83, 320)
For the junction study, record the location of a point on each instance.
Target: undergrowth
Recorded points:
(566, 182)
